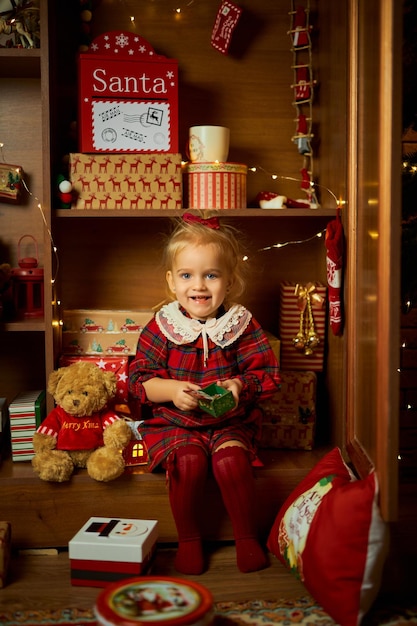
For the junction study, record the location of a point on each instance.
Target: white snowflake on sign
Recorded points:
(142, 48)
(170, 74)
(122, 40)
(94, 46)
(131, 52)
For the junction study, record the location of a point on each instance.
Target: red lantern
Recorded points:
(28, 290)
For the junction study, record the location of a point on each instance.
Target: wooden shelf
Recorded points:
(29, 325)
(44, 514)
(20, 62)
(71, 213)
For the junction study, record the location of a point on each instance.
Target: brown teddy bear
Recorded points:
(81, 431)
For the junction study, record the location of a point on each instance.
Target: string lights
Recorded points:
(312, 184)
(48, 230)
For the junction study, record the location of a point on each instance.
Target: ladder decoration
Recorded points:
(303, 90)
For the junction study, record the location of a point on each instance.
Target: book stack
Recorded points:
(26, 413)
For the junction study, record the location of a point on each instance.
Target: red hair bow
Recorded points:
(211, 222)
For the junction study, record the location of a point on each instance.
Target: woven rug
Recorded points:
(303, 612)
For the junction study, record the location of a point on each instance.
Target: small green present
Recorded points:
(215, 400)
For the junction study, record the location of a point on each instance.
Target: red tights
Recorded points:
(233, 473)
(187, 469)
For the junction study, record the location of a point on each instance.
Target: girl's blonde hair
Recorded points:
(225, 238)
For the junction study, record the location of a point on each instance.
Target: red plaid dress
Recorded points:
(172, 346)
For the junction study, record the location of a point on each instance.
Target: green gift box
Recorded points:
(215, 400)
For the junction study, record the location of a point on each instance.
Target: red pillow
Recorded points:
(330, 534)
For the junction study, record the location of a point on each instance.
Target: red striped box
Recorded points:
(215, 185)
(110, 549)
(291, 307)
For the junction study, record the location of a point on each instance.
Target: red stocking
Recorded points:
(334, 262)
(233, 473)
(300, 36)
(187, 473)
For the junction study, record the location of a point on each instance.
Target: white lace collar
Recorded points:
(180, 329)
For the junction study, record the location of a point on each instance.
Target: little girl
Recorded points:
(201, 338)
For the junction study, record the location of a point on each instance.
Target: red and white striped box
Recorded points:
(109, 549)
(291, 307)
(289, 417)
(215, 185)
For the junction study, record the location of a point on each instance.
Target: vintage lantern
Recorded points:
(28, 290)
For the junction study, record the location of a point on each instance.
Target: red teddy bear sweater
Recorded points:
(76, 433)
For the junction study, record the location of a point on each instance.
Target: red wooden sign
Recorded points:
(128, 96)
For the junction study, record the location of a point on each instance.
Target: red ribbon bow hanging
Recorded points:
(211, 222)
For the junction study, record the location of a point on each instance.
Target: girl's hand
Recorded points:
(182, 398)
(232, 384)
(161, 390)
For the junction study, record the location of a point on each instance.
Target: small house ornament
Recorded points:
(128, 96)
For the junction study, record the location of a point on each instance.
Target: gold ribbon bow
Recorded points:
(309, 292)
(307, 339)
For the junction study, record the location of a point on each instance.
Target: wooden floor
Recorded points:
(39, 581)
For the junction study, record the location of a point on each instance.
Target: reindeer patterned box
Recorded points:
(126, 181)
(290, 415)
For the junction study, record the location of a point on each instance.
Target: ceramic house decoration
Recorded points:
(128, 96)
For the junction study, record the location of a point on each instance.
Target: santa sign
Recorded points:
(128, 96)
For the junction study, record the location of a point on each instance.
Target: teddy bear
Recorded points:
(81, 431)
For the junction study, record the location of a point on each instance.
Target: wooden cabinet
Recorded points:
(110, 258)
(26, 354)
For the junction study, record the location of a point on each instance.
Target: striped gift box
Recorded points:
(289, 325)
(215, 185)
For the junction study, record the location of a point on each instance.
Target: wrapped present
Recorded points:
(108, 549)
(102, 332)
(26, 413)
(5, 548)
(302, 326)
(126, 181)
(290, 415)
(215, 185)
(117, 364)
(275, 344)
